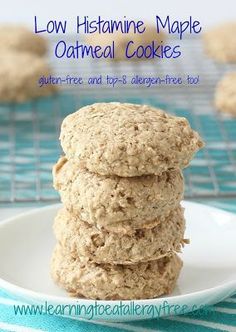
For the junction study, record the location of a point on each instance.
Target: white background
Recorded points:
(208, 12)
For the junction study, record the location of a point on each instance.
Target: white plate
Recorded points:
(208, 275)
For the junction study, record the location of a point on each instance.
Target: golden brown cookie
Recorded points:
(225, 95)
(115, 282)
(104, 200)
(21, 72)
(220, 42)
(101, 246)
(128, 139)
(20, 39)
(121, 41)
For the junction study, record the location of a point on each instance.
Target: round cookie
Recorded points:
(220, 42)
(225, 95)
(110, 199)
(100, 246)
(128, 139)
(21, 72)
(20, 39)
(115, 282)
(121, 40)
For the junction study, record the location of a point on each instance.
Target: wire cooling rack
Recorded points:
(29, 132)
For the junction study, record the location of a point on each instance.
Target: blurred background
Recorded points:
(29, 131)
(208, 12)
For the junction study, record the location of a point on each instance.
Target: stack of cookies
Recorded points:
(121, 185)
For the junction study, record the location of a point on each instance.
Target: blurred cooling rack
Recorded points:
(29, 132)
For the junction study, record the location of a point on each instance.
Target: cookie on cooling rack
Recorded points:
(21, 73)
(19, 38)
(89, 243)
(110, 199)
(128, 139)
(225, 95)
(220, 42)
(114, 282)
(121, 40)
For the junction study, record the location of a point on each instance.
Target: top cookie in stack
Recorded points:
(121, 185)
(128, 140)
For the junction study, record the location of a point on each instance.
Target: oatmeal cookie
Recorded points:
(128, 140)
(115, 282)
